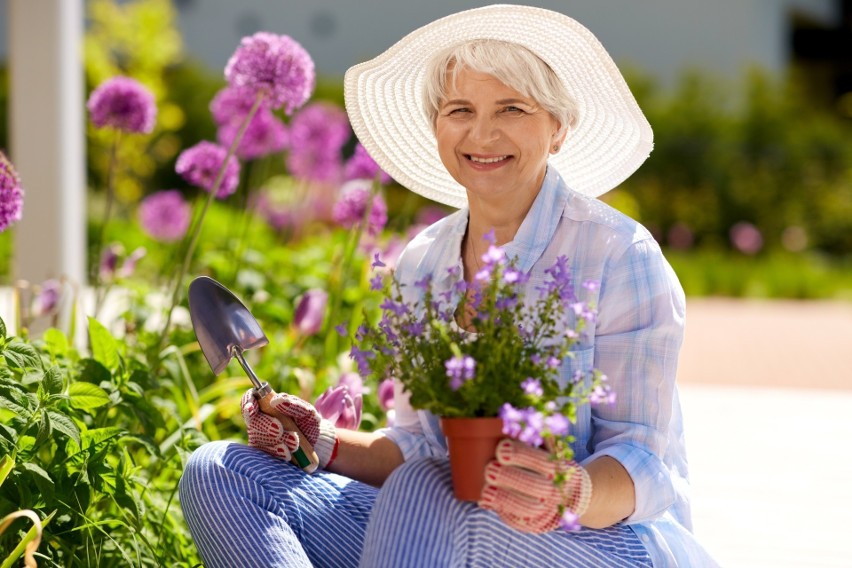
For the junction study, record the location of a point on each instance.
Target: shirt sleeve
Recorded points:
(638, 336)
(412, 430)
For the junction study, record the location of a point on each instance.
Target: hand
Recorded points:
(519, 487)
(268, 434)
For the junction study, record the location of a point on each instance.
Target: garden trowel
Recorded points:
(225, 329)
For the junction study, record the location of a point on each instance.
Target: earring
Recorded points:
(555, 148)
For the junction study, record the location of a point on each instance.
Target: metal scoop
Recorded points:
(225, 329)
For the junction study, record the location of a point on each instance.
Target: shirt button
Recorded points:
(645, 538)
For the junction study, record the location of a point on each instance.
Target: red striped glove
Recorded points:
(519, 487)
(268, 434)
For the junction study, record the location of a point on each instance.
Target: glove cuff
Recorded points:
(582, 493)
(326, 444)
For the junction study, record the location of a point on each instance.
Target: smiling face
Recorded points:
(493, 140)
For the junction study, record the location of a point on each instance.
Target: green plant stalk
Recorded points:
(187, 259)
(32, 534)
(110, 197)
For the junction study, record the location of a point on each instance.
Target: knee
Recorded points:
(204, 467)
(417, 477)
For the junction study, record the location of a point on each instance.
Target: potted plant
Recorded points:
(504, 374)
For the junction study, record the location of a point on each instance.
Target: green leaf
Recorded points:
(22, 356)
(94, 372)
(53, 380)
(62, 423)
(104, 345)
(55, 342)
(41, 478)
(2, 329)
(86, 396)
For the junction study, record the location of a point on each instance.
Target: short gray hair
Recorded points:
(513, 65)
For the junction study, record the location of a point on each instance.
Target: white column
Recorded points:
(47, 137)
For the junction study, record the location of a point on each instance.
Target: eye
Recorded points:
(513, 109)
(459, 110)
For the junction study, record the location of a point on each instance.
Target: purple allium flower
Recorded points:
(200, 165)
(430, 214)
(317, 133)
(532, 387)
(124, 104)
(362, 166)
(232, 104)
(11, 194)
(680, 237)
(128, 267)
(746, 238)
(276, 66)
(165, 215)
(460, 369)
(385, 394)
(352, 206)
(311, 311)
(340, 407)
(265, 135)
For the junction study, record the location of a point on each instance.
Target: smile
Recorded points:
(493, 160)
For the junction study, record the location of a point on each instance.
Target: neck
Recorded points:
(504, 218)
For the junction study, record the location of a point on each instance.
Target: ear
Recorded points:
(558, 139)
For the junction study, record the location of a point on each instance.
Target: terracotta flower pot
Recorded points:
(472, 443)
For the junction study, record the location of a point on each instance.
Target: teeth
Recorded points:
(487, 160)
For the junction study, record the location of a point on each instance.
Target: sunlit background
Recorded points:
(748, 190)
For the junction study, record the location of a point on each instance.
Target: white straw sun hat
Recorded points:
(384, 100)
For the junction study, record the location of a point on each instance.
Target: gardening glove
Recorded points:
(268, 434)
(519, 487)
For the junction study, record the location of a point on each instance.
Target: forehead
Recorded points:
(471, 83)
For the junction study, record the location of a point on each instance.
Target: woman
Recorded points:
(518, 116)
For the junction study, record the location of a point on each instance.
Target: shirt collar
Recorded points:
(531, 240)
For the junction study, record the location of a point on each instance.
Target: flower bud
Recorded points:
(340, 408)
(311, 311)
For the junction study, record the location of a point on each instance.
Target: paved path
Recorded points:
(766, 389)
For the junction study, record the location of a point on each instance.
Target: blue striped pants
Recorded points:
(246, 508)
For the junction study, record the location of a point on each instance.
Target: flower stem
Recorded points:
(193, 241)
(95, 274)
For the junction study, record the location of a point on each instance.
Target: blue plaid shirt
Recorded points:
(635, 342)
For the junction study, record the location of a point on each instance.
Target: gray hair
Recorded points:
(513, 65)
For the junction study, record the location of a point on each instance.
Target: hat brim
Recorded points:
(384, 97)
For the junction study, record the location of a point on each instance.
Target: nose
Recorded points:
(484, 130)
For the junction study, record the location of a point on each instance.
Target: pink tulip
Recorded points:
(338, 406)
(385, 393)
(353, 382)
(311, 311)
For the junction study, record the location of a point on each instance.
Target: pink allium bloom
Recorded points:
(11, 194)
(124, 104)
(338, 406)
(352, 206)
(276, 66)
(385, 393)
(317, 133)
(430, 214)
(165, 215)
(232, 104)
(362, 166)
(746, 238)
(265, 135)
(200, 164)
(311, 311)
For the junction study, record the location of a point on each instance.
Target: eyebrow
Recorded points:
(499, 103)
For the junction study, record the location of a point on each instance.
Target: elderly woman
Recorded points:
(518, 116)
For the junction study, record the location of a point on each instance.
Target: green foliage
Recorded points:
(760, 153)
(88, 451)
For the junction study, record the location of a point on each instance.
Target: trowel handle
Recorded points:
(305, 457)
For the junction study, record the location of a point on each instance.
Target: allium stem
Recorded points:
(110, 197)
(196, 232)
